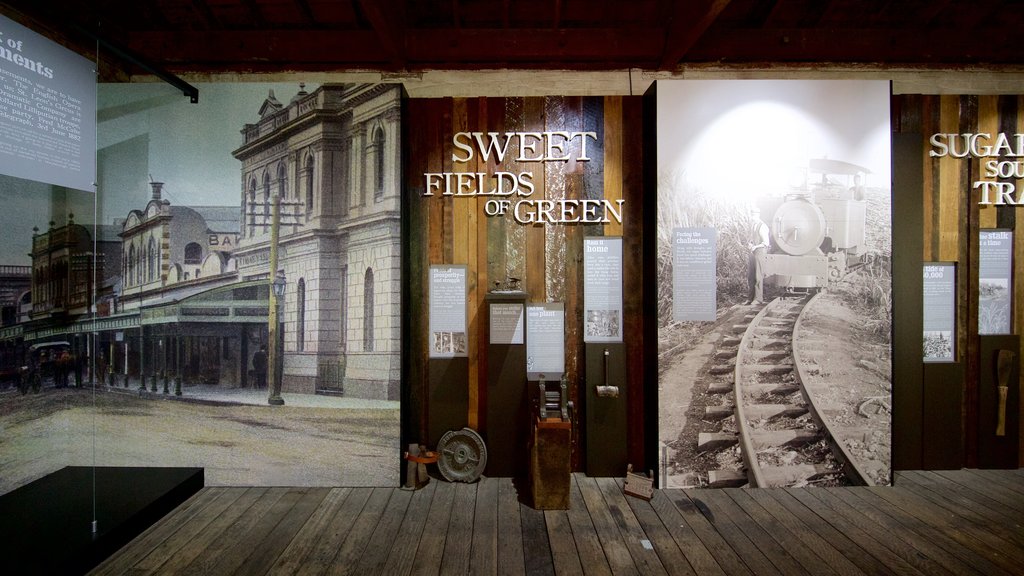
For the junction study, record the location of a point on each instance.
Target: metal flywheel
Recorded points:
(462, 455)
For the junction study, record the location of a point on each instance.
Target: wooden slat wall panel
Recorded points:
(988, 123)
(953, 218)
(547, 258)
(1017, 217)
(631, 160)
(947, 193)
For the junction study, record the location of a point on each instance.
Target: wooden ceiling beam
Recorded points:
(385, 16)
(307, 12)
(689, 22)
(612, 48)
(889, 46)
(254, 13)
(210, 21)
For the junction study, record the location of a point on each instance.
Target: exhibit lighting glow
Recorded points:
(755, 148)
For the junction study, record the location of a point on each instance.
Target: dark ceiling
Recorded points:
(189, 36)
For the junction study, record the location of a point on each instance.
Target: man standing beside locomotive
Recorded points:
(758, 246)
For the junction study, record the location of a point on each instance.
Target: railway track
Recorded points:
(769, 416)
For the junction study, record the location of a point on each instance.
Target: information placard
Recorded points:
(694, 278)
(47, 110)
(448, 312)
(545, 341)
(507, 322)
(939, 311)
(995, 289)
(602, 289)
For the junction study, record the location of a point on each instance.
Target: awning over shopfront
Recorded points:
(240, 303)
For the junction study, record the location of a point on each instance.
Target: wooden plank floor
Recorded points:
(964, 522)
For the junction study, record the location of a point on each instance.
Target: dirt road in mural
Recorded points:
(237, 445)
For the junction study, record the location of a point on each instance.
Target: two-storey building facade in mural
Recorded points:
(165, 245)
(331, 159)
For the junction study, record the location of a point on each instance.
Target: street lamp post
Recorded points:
(277, 285)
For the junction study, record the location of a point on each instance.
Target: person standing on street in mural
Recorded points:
(259, 366)
(63, 369)
(758, 246)
(101, 368)
(77, 360)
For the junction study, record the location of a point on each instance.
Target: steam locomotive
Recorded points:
(817, 232)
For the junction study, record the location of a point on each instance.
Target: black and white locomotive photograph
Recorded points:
(790, 383)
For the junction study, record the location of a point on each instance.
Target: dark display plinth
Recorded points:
(998, 450)
(508, 413)
(46, 526)
(942, 443)
(606, 410)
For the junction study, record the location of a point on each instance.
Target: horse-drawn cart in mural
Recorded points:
(48, 363)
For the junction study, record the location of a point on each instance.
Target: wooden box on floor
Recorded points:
(550, 464)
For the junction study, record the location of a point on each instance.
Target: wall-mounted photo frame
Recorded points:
(939, 311)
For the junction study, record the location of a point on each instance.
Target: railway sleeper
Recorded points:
(720, 388)
(777, 388)
(793, 474)
(773, 332)
(725, 354)
(708, 441)
(769, 368)
(726, 479)
(731, 341)
(774, 344)
(770, 356)
(769, 411)
(791, 438)
(715, 413)
(721, 369)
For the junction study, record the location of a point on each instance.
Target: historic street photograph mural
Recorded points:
(774, 283)
(137, 321)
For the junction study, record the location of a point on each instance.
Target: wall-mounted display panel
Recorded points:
(778, 192)
(507, 323)
(545, 341)
(694, 274)
(602, 289)
(448, 311)
(995, 282)
(47, 110)
(939, 311)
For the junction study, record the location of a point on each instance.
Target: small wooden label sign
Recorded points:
(638, 485)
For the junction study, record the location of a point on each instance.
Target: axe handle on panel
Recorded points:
(1004, 365)
(1001, 422)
